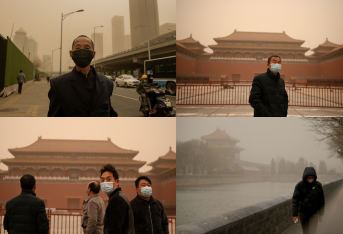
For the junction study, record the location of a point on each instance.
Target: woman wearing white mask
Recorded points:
(308, 201)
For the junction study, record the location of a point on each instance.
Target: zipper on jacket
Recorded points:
(152, 229)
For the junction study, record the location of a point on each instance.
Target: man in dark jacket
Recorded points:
(82, 92)
(149, 214)
(118, 215)
(268, 95)
(21, 78)
(26, 212)
(308, 201)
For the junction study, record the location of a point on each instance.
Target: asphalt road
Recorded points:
(125, 102)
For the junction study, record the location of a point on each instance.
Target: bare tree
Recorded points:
(37, 63)
(330, 131)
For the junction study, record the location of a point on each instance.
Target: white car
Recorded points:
(126, 81)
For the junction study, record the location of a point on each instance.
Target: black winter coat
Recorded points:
(70, 98)
(146, 215)
(26, 214)
(118, 216)
(268, 95)
(308, 198)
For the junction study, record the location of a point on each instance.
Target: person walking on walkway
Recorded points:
(268, 95)
(118, 215)
(26, 213)
(148, 212)
(83, 92)
(93, 210)
(308, 201)
(21, 78)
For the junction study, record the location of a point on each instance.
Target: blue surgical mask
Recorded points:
(146, 191)
(107, 187)
(275, 67)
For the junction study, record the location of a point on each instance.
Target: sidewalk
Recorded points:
(248, 111)
(332, 220)
(33, 101)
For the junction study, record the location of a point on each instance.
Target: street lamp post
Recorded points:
(147, 25)
(52, 62)
(62, 18)
(94, 41)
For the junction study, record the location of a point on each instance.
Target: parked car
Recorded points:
(126, 81)
(111, 77)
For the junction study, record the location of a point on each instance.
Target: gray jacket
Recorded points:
(93, 210)
(21, 77)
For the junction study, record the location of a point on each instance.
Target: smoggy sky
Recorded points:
(309, 20)
(263, 139)
(151, 137)
(42, 20)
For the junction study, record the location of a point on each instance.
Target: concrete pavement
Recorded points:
(248, 111)
(332, 219)
(34, 101)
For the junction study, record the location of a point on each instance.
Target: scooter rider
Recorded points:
(141, 90)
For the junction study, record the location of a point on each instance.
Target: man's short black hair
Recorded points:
(72, 45)
(110, 168)
(272, 57)
(27, 181)
(95, 187)
(21, 70)
(142, 178)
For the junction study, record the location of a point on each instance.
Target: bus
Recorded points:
(163, 71)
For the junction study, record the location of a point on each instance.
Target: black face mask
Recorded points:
(82, 58)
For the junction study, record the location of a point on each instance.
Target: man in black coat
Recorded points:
(268, 95)
(308, 201)
(26, 212)
(82, 92)
(118, 215)
(149, 214)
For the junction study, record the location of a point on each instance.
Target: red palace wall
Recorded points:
(247, 70)
(57, 194)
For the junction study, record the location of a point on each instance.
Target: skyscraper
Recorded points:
(20, 40)
(167, 27)
(128, 42)
(98, 45)
(138, 20)
(32, 48)
(118, 38)
(46, 63)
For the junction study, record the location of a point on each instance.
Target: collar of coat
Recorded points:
(115, 191)
(79, 73)
(271, 75)
(28, 191)
(141, 200)
(95, 195)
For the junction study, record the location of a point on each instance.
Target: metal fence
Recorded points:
(237, 93)
(68, 221)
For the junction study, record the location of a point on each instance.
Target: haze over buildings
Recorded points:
(98, 45)
(167, 27)
(118, 34)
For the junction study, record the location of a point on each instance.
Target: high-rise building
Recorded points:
(32, 48)
(98, 45)
(139, 16)
(20, 40)
(118, 38)
(128, 42)
(46, 66)
(167, 27)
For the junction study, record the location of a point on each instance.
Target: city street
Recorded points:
(34, 101)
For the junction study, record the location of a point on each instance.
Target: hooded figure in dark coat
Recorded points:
(308, 201)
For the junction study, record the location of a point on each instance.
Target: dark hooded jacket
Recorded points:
(26, 214)
(308, 198)
(268, 95)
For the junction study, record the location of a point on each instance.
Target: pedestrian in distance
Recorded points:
(21, 79)
(93, 210)
(48, 79)
(268, 95)
(118, 216)
(26, 213)
(308, 201)
(149, 214)
(83, 92)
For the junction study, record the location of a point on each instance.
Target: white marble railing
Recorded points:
(38, 177)
(254, 59)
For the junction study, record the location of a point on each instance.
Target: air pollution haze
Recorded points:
(311, 21)
(41, 19)
(127, 133)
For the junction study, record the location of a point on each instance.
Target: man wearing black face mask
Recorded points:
(82, 92)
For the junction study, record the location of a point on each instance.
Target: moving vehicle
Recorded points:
(163, 71)
(126, 81)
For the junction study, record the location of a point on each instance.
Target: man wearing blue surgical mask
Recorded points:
(118, 216)
(268, 94)
(149, 214)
